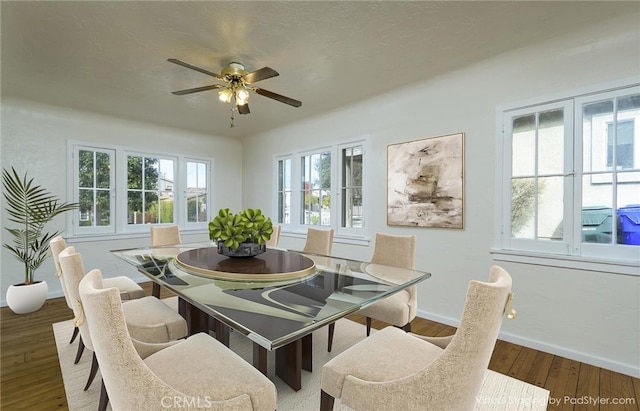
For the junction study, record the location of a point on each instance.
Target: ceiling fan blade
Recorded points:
(197, 89)
(278, 97)
(258, 75)
(192, 67)
(243, 109)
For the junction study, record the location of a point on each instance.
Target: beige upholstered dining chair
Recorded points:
(148, 318)
(164, 235)
(136, 376)
(275, 236)
(397, 370)
(318, 241)
(400, 308)
(129, 290)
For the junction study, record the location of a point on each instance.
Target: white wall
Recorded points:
(589, 316)
(34, 140)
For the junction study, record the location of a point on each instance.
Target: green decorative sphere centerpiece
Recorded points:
(240, 235)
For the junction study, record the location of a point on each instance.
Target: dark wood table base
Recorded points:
(291, 359)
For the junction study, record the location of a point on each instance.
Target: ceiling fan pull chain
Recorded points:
(231, 125)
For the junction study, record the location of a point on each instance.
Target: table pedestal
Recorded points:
(291, 359)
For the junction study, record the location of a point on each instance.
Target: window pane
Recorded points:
(523, 192)
(103, 210)
(284, 191)
(325, 208)
(550, 207)
(596, 118)
(134, 172)
(523, 146)
(551, 142)
(352, 216)
(151, 174)
(352, 187)
(151, 212)
(597, 217)
(85, 199)
(166, 209)
(85, 169)
(134, 207)
(196, 192)
(316, 189)
(103, 170)
(628, 138)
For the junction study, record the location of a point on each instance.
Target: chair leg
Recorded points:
(332, 328)
(75, 334)
(92, 372)
(407, 327)
(80, 351)
(326, 401)
(104, 398)
(155, 290)
(368, 326)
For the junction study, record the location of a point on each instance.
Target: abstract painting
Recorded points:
(425, 182)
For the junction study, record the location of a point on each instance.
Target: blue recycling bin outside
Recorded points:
(630, 224)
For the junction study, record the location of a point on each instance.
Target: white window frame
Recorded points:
(277, 207)
(74, 159)
(199, 225)
(119, 225)
(571, 252)
(342, 234)
(122, 191)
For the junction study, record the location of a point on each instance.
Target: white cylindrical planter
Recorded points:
(27, 298)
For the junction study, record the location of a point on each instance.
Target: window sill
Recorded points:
(564, 261)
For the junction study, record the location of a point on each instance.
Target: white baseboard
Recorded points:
(565, 352)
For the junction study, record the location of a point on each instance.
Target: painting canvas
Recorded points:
(425, 182)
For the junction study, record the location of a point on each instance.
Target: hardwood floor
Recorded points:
(30, 376)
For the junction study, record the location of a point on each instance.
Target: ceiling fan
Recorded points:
(237, 83)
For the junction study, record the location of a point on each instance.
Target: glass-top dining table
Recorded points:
(276, 299)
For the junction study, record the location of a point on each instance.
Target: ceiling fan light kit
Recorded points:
(237, 86)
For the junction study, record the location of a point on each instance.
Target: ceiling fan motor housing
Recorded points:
(234, 71)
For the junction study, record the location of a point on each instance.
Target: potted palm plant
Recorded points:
(30, 207)
(240, 235)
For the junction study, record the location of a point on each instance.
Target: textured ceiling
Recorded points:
(110, 57)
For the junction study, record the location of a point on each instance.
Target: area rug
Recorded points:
(499, 392)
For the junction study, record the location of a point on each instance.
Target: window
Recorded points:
(94, 188)
(351, 186)
(327, 190)
(284, 191)
(149, 190)
(197, 194)
(315, 189)
(120, 191)
(561, 192)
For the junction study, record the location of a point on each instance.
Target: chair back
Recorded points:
(318, 241)
(73, 272)
(275, 236)
(131, 385)
(56, 245)
(395, 250)
(165, 235)
(463, 364)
